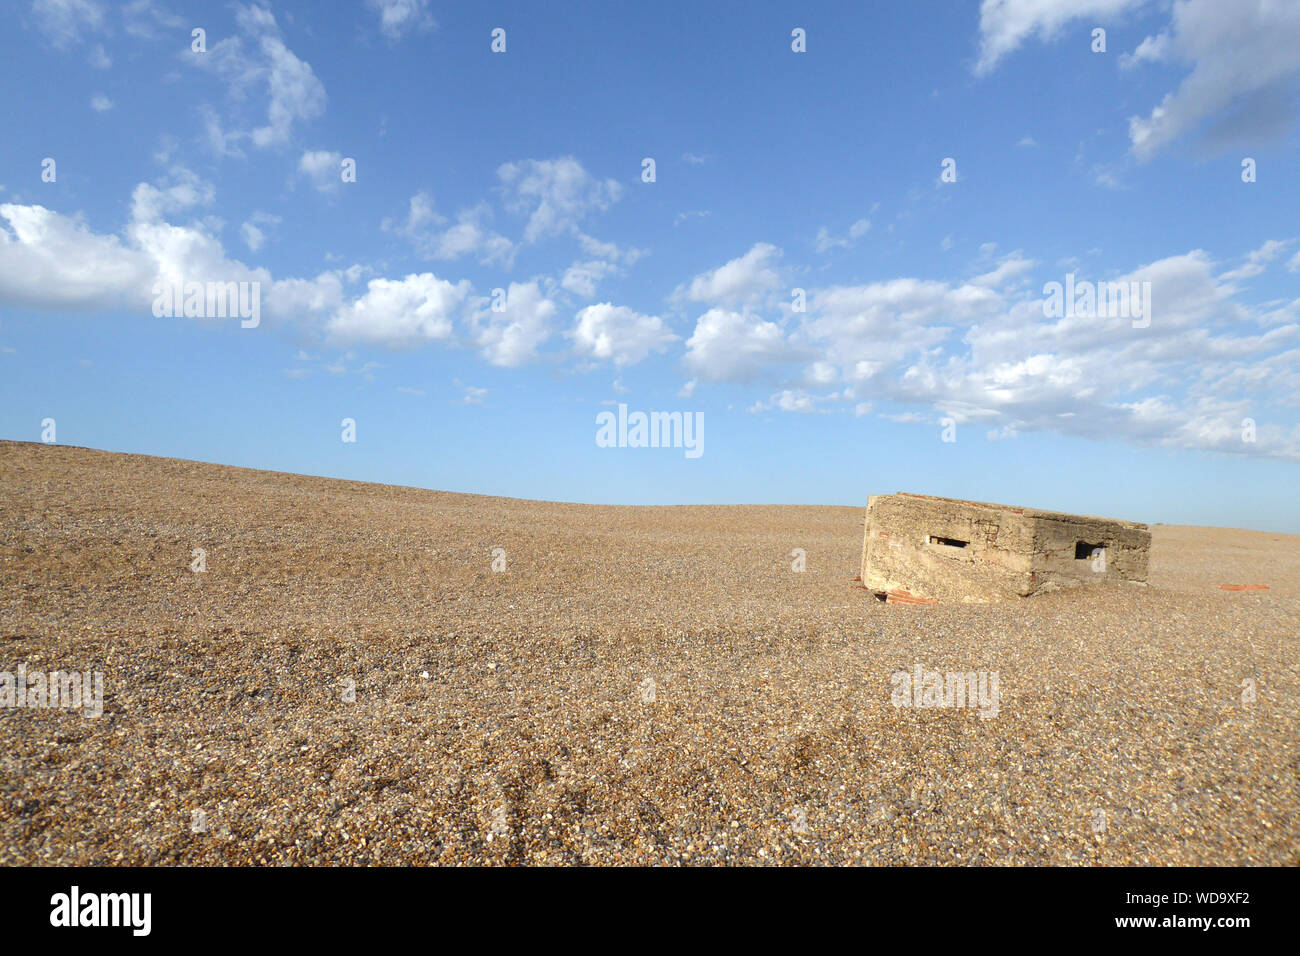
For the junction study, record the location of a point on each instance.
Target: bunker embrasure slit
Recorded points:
(950, 542)
(1083, 551)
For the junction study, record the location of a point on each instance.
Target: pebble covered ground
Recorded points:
(350, 681)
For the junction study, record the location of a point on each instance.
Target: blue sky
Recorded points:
(775, 170)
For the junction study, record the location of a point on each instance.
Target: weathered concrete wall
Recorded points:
(952, 550)
(1066, 551)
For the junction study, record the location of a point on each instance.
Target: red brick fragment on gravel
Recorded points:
(906, 597)
(1244, 587)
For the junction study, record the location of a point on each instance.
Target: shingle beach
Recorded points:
(350, 682)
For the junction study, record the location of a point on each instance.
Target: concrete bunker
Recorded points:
(952, 550)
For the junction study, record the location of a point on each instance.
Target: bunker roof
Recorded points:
(1027, 512)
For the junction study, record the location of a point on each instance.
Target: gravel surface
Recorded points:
(350, 681)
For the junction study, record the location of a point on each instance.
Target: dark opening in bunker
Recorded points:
(1083, 550)
(950, 542)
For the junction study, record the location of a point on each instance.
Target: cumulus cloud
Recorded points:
(581, 278)
(52, 261)
(49, 261)
(865, 328)
(1098, 376)
(251, 230)
(402, 312)
(420, 213)
(181, 189)
(608, 332)
(980, 348)
(984, 350)
(468, 236)
(1008, 269)
(556, 195)
(399, 18)
(733, 346)
(513, 336)
(321, 168)
(743, 280)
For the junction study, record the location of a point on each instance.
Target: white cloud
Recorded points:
(260, 58)
(826, 242)
(183, 190)
(473, 395)
(322, 168)
(1240, 53)
(66, 21)
(1244, 58)
(399, 18)
(469, 236)
(1153, 49)
(251, 232)
(865, 328)
(420, 213)
(581, 278)
(740, 281)
(253, 237)
(100, 103)
(52, 261)
(146, 20)
(1006, 24)
(1009, 268)
(798, 400)
(600, 249)
(979, 349)
(49, 261)
(731, 346)
(402, 312)
(790, 400)
(681, 217)
(607, 332)
(513, 336)
(1101, 378)
(1256, 261)
(821, 373)
(555, 194)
